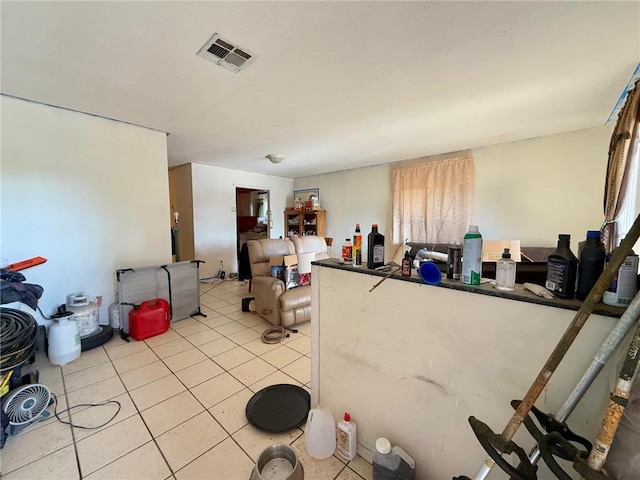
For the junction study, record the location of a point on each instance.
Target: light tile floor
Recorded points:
(183, 396)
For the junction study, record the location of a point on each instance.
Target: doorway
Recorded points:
(253, 222)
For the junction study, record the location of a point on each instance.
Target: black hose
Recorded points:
(18, 338)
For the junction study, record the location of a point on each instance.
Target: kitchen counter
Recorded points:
(520, 293)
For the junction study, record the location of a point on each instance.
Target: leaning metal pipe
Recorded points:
(541, 381)
(609, 345)
(615, 408)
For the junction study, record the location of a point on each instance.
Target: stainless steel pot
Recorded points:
(278, 462)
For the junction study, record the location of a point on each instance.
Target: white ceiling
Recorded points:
(334, 85)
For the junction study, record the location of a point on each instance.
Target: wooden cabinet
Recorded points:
(305, 222)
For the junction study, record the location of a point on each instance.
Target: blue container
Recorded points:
(430, 273)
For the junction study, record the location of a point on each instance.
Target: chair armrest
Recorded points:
(269, 283)
(267, 292)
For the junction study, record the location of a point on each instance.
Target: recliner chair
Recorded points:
(272, 301)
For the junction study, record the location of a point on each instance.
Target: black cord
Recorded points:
(68, 409)
(48, 318)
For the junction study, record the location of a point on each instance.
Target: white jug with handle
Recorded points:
(320, 433)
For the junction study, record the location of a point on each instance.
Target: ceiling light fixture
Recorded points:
(273, 158)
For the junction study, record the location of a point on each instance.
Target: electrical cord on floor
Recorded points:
(68, 409)
(276, 334)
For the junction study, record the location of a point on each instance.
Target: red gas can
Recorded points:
(151, 318)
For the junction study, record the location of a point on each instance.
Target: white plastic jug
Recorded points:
(64, 338)
(320, 433)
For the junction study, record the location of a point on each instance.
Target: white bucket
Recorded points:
(85, 313)
(64, 340)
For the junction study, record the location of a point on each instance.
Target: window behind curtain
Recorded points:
(433, 201)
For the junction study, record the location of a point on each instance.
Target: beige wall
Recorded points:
(89, 194)
(181, 196)
(412, 362)
(530, 190)
(214, 211)
(533, 190)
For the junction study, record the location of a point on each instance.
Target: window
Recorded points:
(433, 202)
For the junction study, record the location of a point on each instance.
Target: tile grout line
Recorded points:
(73, 435)
(153, 439)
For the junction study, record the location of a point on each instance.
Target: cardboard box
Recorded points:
(285, 268)
(492, 250)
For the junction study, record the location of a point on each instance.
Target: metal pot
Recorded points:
(278, 462)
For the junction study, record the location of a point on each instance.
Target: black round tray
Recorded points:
(278, 408)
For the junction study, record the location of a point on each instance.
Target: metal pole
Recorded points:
(565, 342)
(609, 345)
(615, 408)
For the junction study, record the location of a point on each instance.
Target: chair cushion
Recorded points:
(310, 244)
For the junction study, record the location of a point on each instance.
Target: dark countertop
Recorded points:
(520, 293)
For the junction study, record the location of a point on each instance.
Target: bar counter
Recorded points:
(411, 362)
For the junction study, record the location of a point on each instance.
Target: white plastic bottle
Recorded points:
(347, 438)
(472, 257)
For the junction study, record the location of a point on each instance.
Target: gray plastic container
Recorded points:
(392, 463)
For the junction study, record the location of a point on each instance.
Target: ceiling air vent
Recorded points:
(225, 54)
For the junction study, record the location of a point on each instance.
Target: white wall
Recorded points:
(533, 190)
(412, 362)
(214, 218)
(89, 194)
(361, 195)
(530, 190)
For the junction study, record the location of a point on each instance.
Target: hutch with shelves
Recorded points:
(305, 222)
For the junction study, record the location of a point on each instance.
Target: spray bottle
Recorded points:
(472, 256)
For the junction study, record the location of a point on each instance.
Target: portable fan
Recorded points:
(26, 405)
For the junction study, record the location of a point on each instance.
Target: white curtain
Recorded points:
(434, 201)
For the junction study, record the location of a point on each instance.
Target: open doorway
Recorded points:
(253, 222)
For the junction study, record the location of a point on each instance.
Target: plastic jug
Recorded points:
(63, 337)
(392, 463)
(320, 433)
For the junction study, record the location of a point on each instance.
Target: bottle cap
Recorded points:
(347, 417)
(473, 228)
(374, 225)
(506, 253)
(347, 239)
(593, 233)
(383, 445)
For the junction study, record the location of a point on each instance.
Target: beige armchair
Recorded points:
(272, 301)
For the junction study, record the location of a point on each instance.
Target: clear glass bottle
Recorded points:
(506, 272)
